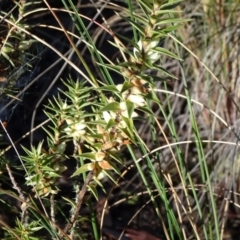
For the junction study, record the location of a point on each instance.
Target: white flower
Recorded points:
(136, 52)
(147, 47)
(138, 100)
(123, 106)
(101, 175)
(153, 56)
(64, 105)
(119, 87)
(108, 116)
(124, 113)
(75, 129)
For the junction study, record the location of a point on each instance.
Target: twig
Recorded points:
(52, 207)
(79, 201)
(21, 196)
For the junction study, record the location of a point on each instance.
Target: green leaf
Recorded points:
(113, 106)
(134, 24)
(24, 45)
(47, 168)
(93, 189)
(160, 33)
(8, 58)
(153, 78)
(153, 97)
(72, 203)
(115, 156)
(110, 88)
(129, 123)
(159, 79)
(140, 19)
(146, 110)
(50, 134)
(53, 174)
(88, 155)
(109, 176)
(111, 123)
(171, 21)
(111, 67)
(115, 168)
(126, 39)
(121, 48)
(126, 86)
(129, 134)
(85, 168)
(39, 148)
(130, 65)
(130, 108)
(170, 5)
(162, 11)
(165, 52)
(146, 5)
(164, 71)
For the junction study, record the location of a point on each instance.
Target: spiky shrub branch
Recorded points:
(14, 45)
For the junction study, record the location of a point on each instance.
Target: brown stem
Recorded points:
(81, 195)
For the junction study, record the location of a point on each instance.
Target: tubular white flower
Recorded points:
(136, 52)
(119, 87)
(123, 106)
(138, 100)
(108, 116)
(101, 175)
(64, 105)
(146, 47)
(124, 113)
(153, 56)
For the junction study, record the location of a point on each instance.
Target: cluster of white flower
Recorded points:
(75, 129)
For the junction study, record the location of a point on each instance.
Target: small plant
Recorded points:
(94, 124)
